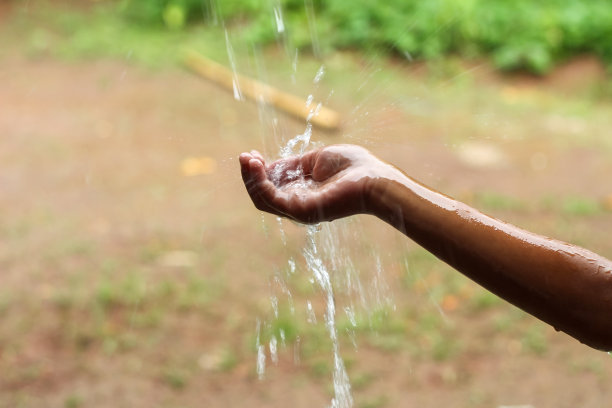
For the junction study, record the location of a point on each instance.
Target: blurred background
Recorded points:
(135, 271)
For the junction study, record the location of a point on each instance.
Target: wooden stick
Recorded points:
(258, 91)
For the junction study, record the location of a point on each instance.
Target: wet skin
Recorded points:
(564, 285)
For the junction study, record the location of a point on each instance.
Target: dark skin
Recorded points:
(564, 285)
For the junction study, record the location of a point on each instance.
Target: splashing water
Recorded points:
(261, 353)
(232, 59)
(342, 387)
(315, 262)
(302, 141)
(320, 74)
(326, 260)
(273, 348)
(278, 18)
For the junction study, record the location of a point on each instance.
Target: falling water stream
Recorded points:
(327, 260)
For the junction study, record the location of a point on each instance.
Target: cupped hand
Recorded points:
(321, 185)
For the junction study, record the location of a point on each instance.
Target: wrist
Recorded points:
(384, 193)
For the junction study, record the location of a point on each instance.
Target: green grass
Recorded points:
(571, 205)
(378, 401)
(490, 200)
(581, 206)
(534, 340)
(484, 300)
(175, 378)
(48, 30)
(362, 380)
(73, 401)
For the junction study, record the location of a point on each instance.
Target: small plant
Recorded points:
(376, 402)
(175, 378)
(534, 341)
(582, 206)
(228, 361)
(484, 300)
(73, 401)
(490, 200)
(361, 381)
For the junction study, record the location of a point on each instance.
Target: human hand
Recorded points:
(321, 185)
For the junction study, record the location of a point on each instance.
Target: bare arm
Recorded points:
(566, 286)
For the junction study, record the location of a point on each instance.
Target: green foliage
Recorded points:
(517, 34)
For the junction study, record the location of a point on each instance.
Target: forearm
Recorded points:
(563, 285)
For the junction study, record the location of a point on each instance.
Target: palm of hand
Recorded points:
(321, 185)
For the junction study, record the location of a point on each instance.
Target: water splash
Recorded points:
(320, 74)
(274, 302)
(278, 18)
(261, 353)
(312, 27)
(294, 65)
(232, 60)
(273, 350)
(311, 317)
(342, 387)
(309, 100)
(291, 148)
(350, 313)
(291, 263)
(281, 229)
(327, 260)
(211, 13)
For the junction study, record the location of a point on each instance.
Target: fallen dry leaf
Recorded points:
(450, 303)
(195, 166)
(607, 202)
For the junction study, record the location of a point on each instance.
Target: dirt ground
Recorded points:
(129, 280)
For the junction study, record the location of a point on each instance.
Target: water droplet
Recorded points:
(296, 350)
(278, 17)
(274, 303)
(261, 362)
(261, 353)
(291, 266)
(273, 347)
(309, 100)
(320, 74)
(350, 313)
(311, 317)
(281, 230)
(232, 59)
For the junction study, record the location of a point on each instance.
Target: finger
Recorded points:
(330, 163)
(308, 160)
(264, 194)
(280, 170)
(258, 156)
(244, 159)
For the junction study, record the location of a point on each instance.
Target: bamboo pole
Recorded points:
(255, 90)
